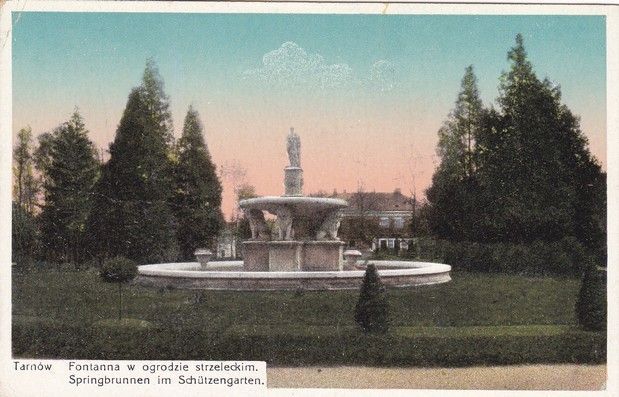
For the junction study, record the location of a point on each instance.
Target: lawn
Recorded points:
(475, 318)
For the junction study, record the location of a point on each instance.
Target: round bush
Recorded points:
(119, 270)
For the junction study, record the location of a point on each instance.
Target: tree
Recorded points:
(25, 187)
(591, 302)
(371, 311)
(540, 180)
(25, 191)
(519, 173)
(132, 215)
(197, 194)
(361, 227)
(24, 235)
(119, 270)
(69, 174)
(454, 189)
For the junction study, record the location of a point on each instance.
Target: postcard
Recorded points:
(308, 198)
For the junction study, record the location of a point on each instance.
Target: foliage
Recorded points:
(417, 346)
(452, 196)
(371, 311)
(24, 238)
(540, 180)
(132, 216)
(197, 195)
(591, 302)
(24, 232)
(531, 180)
(118, 270)
(564, 257)
(362, 227)
(69, 168)
(25, 186)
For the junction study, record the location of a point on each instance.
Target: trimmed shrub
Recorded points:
(311, 345)
(591, 302)
(371, 312)
(118, 270)
(564, 257)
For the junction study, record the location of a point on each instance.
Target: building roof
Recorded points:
(376, 201)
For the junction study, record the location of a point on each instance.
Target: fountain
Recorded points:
(302, 252)
(306, 227)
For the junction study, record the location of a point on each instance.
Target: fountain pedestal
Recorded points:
(292, 256)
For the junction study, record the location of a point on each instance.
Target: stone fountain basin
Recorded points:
(300, 205)
(229, 275)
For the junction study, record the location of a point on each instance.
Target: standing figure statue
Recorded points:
(294, 148)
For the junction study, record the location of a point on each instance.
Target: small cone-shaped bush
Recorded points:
(591, 302)
(371, 312)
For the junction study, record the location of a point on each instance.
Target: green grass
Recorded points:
(471, 319)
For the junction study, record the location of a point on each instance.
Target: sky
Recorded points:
(366, 93)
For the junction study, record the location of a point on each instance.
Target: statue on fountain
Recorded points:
(328, 228)
(284, 223)
(294, 149)
(257, 224)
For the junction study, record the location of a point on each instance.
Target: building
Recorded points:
(377, 220)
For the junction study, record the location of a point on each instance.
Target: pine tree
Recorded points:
(454, 189)
(70, 172)
(197, 198)
(132, 216)
(372, 311)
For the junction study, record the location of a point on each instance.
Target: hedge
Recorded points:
(307, 345)
(564, 257)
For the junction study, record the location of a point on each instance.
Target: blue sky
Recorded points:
(351, 80)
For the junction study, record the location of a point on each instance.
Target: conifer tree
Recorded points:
(371, 311)
(540, 179)
(591, 303)
(132, 216)
(70, 172)
(197, 197)
(454, 189)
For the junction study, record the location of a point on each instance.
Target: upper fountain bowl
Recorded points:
(299, 205)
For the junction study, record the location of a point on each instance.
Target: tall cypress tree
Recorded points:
(70, 172)
(452, 195)
(132, 217)
(197, 197)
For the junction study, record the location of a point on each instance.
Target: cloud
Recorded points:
(292, 66)
(383, 75)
